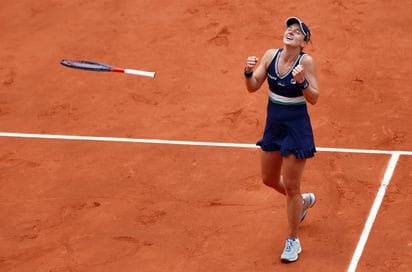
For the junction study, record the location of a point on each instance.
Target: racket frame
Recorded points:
(101, 67)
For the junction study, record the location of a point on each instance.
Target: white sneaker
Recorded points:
(309, 200)
(291, 251)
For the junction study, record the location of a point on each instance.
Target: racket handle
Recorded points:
(139, 73)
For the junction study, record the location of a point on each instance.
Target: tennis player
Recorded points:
(288, 137)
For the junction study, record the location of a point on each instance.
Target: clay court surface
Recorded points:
(191, 199)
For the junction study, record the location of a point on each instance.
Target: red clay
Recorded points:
(105, 206)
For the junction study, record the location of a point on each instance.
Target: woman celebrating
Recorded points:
(288, 137)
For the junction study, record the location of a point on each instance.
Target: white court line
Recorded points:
(374, 211)
(172, 142)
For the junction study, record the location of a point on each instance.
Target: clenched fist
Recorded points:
(251, 63)
(298, 74)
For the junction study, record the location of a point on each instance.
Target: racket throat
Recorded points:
(118, 70)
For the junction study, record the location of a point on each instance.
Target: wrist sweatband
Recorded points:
(303, 85)
(248, 74)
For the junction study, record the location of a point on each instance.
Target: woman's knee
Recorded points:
(292, 186)
(275, 183)
(271, 182)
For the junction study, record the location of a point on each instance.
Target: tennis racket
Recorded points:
(100, 67)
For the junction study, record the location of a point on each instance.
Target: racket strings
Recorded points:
(87, 65)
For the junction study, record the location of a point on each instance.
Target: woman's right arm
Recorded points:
(256, 80)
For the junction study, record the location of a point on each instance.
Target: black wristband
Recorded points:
(303, 85)
(248, 74)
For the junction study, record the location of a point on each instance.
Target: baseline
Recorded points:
(175, 142)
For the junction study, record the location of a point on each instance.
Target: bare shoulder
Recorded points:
(268, 56)
(270, 53)
(307, 60)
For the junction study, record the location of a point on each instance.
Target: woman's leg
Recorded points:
(292, 174)
(271, 165)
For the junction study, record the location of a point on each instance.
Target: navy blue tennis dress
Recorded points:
(288, 128)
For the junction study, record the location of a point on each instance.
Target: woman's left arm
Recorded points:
(311, 93)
